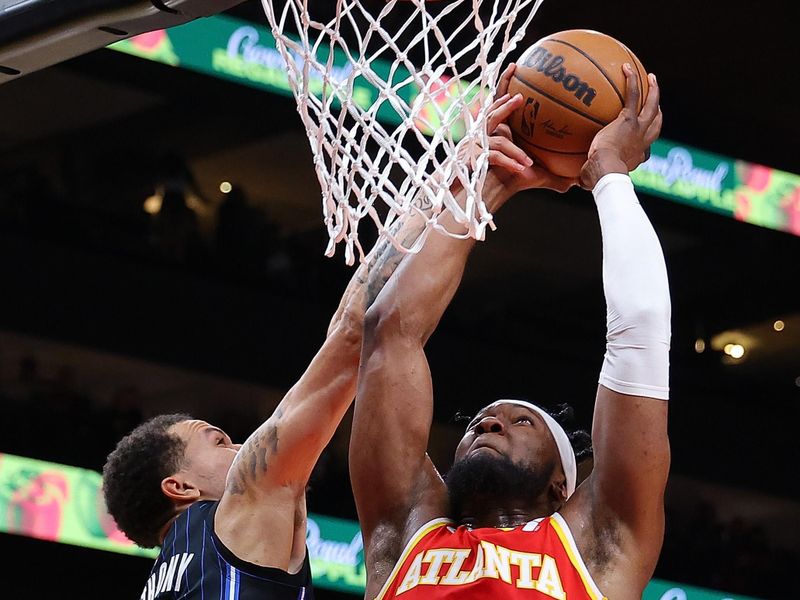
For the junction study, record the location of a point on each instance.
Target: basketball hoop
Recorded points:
(432, 68)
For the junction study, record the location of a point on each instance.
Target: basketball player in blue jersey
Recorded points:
(231, 518)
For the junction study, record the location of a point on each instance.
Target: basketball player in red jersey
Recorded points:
(507, 521)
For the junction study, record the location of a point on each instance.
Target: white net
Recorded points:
(394, 97)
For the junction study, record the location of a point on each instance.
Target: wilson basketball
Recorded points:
(573, 85)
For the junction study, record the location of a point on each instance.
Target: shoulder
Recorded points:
(235, 563)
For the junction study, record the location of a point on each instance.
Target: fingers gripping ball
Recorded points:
(572, 85)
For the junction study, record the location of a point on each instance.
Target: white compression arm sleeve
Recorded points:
(637, 294)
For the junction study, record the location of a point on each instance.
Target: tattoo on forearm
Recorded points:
(387, 256)
(381, 271)
(251, 462)
(272, 438)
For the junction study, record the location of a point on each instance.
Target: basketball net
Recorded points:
(439, 107)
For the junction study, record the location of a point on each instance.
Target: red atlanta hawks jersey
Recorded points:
(538, 560)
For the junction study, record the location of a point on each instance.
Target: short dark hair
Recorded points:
(132, 478)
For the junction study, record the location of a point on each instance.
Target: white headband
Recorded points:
(562, 443)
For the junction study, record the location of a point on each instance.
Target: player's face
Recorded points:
(510, 430)
(208, 457)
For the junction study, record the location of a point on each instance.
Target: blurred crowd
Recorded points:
(165, 218)
(55, 419)
(732, 555)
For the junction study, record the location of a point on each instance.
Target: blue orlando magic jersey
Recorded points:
(194, 564)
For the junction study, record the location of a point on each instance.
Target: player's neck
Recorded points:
(509, 515)
(162, 533)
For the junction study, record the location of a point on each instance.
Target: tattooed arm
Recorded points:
(261, 516)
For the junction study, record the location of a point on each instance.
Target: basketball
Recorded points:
(573, 85)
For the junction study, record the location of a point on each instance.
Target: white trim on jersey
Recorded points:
(575, 555)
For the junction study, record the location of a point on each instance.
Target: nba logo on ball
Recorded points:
(573, 85)
(529, 111)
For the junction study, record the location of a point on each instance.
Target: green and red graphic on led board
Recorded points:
(155, 45)
(58, 503)
(741, 190)
(246, 53)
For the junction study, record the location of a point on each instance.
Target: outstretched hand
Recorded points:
(509, 163)
(624, 144)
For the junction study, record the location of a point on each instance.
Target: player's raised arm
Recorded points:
(396, 487)
(271, 470)
(624, 493)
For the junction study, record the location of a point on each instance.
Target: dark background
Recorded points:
(244, 293)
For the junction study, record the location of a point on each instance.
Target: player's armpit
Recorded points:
(617, 513)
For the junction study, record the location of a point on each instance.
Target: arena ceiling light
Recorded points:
(35, 34)
(770, 345)
(735, 351)
(734, 345)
